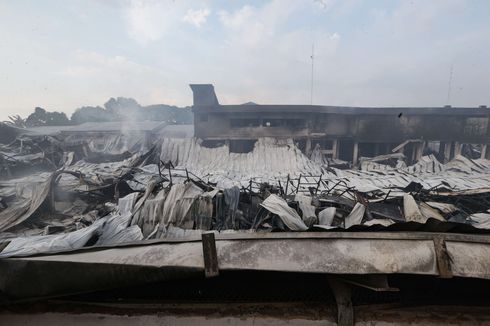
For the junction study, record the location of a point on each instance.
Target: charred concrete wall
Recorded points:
(242, 125)
(312, 124)
(365, 128)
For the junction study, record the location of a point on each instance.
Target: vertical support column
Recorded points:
(447, 152)
(52, 202)
(210, 256)
(483, 151)
(419, 151)
(442, 257)
(308, 147)
(343, 297)
(457, 148)
(355, 153)
(335, 148)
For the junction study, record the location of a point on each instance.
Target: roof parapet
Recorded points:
(204, 95)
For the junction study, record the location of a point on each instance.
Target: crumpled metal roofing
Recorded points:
(459, 176)
(273, 160)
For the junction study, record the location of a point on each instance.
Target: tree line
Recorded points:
(115, 109)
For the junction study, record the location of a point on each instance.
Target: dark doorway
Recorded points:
(346, 149)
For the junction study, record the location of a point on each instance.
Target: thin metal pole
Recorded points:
(312, 69)
(449, 85)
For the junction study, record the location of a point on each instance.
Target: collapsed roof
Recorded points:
(178, 187)
(143, 204)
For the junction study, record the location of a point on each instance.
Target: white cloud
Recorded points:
(334, 36)
(395, 58)
(236, 19)
(143, 26)
(150, 20)
(196, 17)
(365, 53)
(252, 27)
(98, 77)
(90, 64)
(326, 4)
(272, 59)
(413, 17)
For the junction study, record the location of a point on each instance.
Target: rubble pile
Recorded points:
(57, 195)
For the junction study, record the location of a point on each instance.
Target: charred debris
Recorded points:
(254, 201)
(72, 196)
(253, 168)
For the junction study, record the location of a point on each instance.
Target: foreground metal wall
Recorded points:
(445, 255)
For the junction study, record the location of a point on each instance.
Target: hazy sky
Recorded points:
(61, 55)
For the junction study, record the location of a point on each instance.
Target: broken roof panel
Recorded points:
(179, 188)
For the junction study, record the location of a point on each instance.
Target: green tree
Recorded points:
(41, 117)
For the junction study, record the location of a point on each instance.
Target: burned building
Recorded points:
(345, 133)
(145, 222)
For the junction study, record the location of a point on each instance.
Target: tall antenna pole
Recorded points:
(449, 84)
(312, 69)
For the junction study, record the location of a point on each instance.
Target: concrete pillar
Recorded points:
(308, 147)
(419, 150)
(483, 151)
(457, 148)
(447, 152)
(355, 153)
(335, 148)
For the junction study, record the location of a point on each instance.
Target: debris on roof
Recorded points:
(117, 192)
